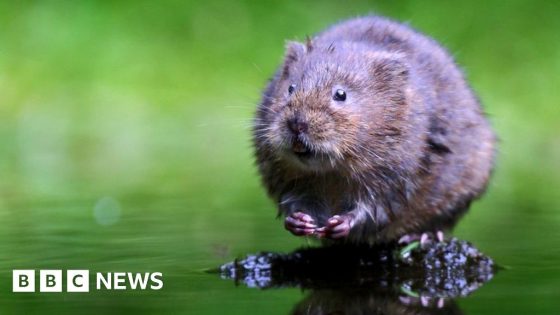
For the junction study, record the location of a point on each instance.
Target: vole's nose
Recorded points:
(297, 125)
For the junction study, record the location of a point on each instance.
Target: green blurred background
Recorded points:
(125, 144)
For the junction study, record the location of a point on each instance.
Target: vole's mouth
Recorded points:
(300, 149)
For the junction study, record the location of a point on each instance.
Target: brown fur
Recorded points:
(406, 152)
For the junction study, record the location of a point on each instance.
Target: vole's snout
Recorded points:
(297, 125)
(299, 129)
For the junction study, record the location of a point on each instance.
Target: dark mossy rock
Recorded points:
(446, 269)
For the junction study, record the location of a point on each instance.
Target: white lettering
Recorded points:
(136, 279)
(119, 280)
(106, 281)
(156, 277)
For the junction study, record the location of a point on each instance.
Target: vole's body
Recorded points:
(373, 123)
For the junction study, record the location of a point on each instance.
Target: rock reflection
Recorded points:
(361, 280)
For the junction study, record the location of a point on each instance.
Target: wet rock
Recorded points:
(448, 269)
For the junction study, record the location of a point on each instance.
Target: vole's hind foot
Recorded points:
(425, 238)
(428, 238)
(300, 224)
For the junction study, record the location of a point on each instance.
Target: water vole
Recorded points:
(368, 132)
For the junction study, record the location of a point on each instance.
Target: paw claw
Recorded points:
(424, 300)
(440, 236)
(424, 239)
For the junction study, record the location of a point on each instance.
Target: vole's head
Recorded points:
(335, 106)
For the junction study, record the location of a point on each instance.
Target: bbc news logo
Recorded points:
(78, 281)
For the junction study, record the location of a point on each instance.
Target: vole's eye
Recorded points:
(291, 88)
(339, 95)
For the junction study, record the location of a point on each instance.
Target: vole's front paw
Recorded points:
(338, 226)
(299, 223)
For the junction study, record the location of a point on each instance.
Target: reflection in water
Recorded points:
(382, 280)
(364, 301)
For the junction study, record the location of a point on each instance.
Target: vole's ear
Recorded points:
(294, 52)
(390, 71)
(390, 78)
